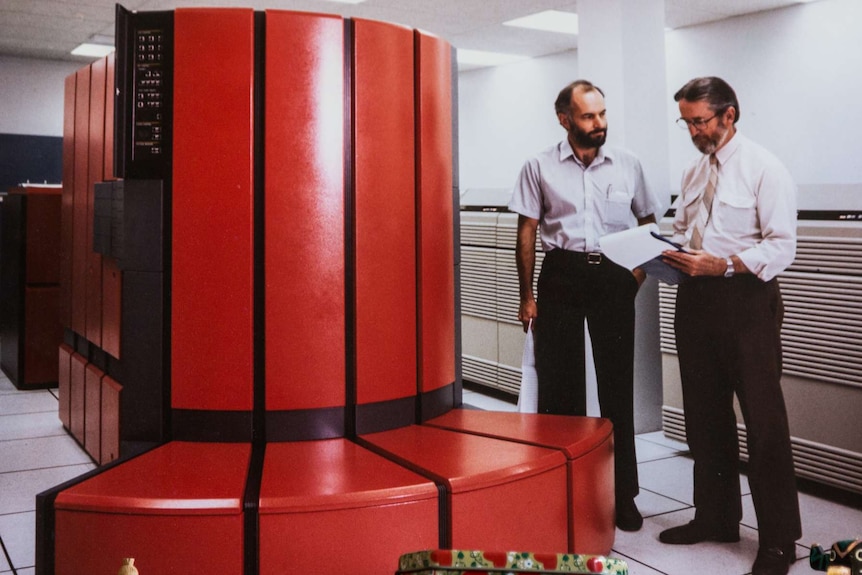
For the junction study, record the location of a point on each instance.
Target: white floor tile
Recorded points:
(650, 504)
(704, 558)
(481, 401)
(26, 425)
(27, 402)
(650, 451)
(40, 453)
(661, 439)
(20, 487)
(18, 533)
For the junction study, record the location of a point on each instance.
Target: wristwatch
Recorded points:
(728, 273)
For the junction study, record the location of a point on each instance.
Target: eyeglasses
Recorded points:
(698, 123)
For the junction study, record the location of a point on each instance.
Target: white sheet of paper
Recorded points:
(630, 248)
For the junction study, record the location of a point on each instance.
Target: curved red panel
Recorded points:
(112, 286)
(79, 201)
(68, 201)
(434, 215)
(304, 199)
(213, 216)
(385, 212)
(98, 79)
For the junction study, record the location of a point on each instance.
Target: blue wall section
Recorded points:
(34, 158)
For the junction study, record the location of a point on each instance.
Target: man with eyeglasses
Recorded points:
(575, 192)
(737, 218)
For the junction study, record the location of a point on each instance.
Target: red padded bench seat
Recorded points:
(175, 508)
(333, 505)
(587, 443)
(499, 494)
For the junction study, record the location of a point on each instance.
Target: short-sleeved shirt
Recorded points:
(754, 211)
(575, 204)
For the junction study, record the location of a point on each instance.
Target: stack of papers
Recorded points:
(641, 247)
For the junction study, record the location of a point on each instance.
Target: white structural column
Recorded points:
(621, 48)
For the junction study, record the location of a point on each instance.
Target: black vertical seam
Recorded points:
(349, 234)
(251, 497)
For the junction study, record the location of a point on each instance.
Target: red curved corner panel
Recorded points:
(304, 199)
(79, 202)
(96, 162)
(213, 212)
(435, 213)
(67, 202)
(179, 504)
(385, 235)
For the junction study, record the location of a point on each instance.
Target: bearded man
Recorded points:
(573, 193)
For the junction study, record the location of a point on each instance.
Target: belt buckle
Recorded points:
(594, 258)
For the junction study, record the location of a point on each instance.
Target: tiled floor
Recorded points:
(36, 453)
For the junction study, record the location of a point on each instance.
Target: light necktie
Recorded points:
(705, 209)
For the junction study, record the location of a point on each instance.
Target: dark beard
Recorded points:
(709, 144)
(595, 139)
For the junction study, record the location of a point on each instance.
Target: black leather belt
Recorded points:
(592, 258)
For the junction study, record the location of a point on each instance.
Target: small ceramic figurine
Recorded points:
(844, 558)
(128, 567)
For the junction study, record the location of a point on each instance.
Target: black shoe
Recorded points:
(628, 516)
(696, 532)
(774, 560)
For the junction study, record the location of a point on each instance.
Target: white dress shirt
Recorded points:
(577, 205)
(754, 210)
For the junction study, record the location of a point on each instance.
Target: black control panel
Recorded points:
(143, 105)
(150, 96)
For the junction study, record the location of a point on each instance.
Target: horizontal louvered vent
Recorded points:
(822, 330)
(815, 461)
(479, 281)
(479, 229)
(509, 378)
(828, 255)
(479, 370)
(489, 289)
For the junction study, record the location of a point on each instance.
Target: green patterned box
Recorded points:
(453, 562)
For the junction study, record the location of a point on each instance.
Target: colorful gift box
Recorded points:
(453, 562)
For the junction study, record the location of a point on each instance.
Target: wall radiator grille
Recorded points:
(814, 461)
(489, 291)
(822, 342)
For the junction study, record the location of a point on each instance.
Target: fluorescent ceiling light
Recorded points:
(93, 50)
(480, 58)
(548, 21)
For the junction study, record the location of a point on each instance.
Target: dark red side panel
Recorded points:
(434, 214)
(96, 161)
(93, 411)
(79, 221)
(305, 307)
(212, 198)
(77, 377)
(67, 206)
(112, 285)
(64, 384)
(108, 173)
(385, 212)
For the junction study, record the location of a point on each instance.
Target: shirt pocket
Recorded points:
(618, 207)
(737, 214)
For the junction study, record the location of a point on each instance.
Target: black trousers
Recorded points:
(728, 336)
(571, 290)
